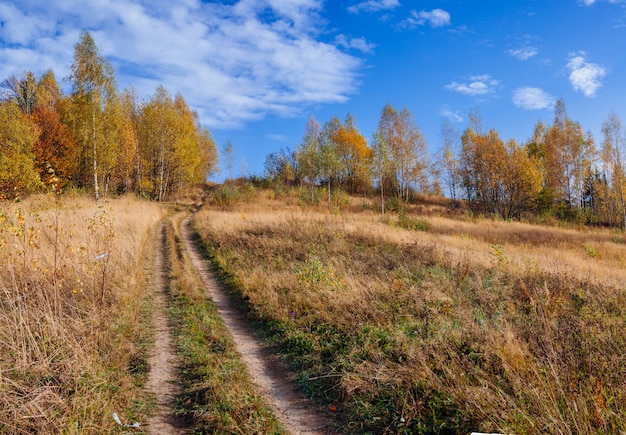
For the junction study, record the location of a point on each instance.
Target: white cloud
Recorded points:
(530, 98)
(359, 44)
(373, 6)
(584, 76)
(475, 85)
(276, 137)
(523, 53)
(448, 113)
(436, 18)
(591, 2)
(232, 63)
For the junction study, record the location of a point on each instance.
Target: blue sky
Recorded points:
(256, 70)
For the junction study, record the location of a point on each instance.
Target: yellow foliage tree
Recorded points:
(18, 135)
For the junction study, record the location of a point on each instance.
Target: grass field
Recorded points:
(418, 321)
(421, 323)
(74, 312)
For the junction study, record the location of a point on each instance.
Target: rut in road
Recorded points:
(291, 408)
(162, 374)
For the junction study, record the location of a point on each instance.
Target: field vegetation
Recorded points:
(419, 322)
(74, 312)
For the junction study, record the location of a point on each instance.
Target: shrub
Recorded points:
(412, 223)
(394, 204)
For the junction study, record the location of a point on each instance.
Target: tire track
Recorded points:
(291, 408)
(162, 374)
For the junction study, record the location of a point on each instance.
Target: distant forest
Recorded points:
(558, 173)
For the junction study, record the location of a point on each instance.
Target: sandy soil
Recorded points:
(162, 374)
(295, 413)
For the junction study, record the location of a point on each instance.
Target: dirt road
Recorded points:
(162, 378)
(272, 382)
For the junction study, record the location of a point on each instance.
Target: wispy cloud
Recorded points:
(584, 76)
(359, 44)
(276, 137)
(435, 18)
(373, 6)
(523, 53)
(232, 62)
(530, 98)
(591, 2)
(447, 112)
(475, 85)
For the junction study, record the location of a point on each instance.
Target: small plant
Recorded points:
(411, 223)
(309, 196)
(394, 204)
(591, 251)
(498, 252)
(339, 198)
(314, 274)
(225, 195)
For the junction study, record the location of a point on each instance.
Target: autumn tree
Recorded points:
(308, 153)
(281, 166)
(613, 148)
(408, 149)
(448, 164)
(174, 149)
(93, 84)
(118, 159)
(381, 165)
(195, 151)
(228, 157)
(329, 162)
(22, 90)
(566, 153)
(18, 134)
(54, 148)
(353, 154)
(502, 178)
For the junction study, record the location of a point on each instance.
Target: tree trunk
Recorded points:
(95, 153)
(328, 192)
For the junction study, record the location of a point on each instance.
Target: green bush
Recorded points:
(394, 204)
(412, 223)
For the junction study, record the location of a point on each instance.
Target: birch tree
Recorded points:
(381, 165)
(93, 83)
(408, 148)
(613, 148)
(448, 160)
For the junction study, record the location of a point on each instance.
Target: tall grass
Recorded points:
(452, 326)
(72, 305)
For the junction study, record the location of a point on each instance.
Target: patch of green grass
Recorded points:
(412, 223)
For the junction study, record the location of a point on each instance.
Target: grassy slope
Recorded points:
(469, 325)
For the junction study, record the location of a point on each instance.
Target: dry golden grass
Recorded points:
(72, 303)
(474, 324)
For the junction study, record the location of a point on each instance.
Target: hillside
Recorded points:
(451, 325)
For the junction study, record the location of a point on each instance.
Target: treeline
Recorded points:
(558, 172)
(97, 137)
